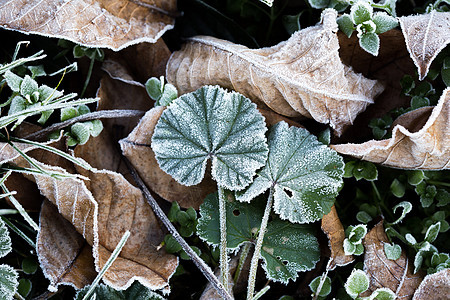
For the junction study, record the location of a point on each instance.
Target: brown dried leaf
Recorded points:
(64, 255)
(426, 149)
(136, 147)
(101, 210)
(95, 23)
(426, 35)
(332, 227)
(396, 275)
(303, 75)
(437, 284)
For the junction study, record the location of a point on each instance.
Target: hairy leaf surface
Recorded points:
(301, 76)
(287, 248)
(5, 240)
(304, 173)
(211, 123)
(426, 35)
(8, 282)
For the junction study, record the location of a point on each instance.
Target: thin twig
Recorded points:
(224, 268)
(203, 267)
(102, 114)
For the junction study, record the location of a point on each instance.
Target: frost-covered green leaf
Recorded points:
(169, 94)
(397, 188)
(393, 251)
(5, 240)
(383, 294)
(349, 247)
(13, 81)
(81, 131)
(365, 27)
(357, 283)
(8, 282)
(361, 169)
(326, 287)
(136, 292)
(415, 177)
(97, 127)
(287, 248)
(211, 123)
(68, 113)
(24, 287)
(18, 104)
(360, 12)
(370, 42)
(154, 88)
(292, 22)
(406, 208)
(318, 4)
(384, 22)
(28, 86)
(432, 232)
(304, 173)
(345, 24)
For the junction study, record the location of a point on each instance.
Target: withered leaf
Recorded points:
(101, 210)
(426, 149)
(64, 255)
(301, 76)
(332, 227)
(94, 23)
(437, 284)
(396, 275)
(136, 147)
(426, 35)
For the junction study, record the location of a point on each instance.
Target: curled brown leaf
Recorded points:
(301, 76)
(426, 149)
(435, 286)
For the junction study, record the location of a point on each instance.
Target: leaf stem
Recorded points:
(244, 253)
(103, 114)
(435, 182)
(224, 271)
(203, 267)
(259, 242)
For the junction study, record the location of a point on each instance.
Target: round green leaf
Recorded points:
(287, 248)
(24, 287)
(211, 123)
(172, 246)
(29, 265)
(154, 88)
(383, 294)
(326, 287)
(305, 174)
(5, 240)
(68, 113)
(393, 251)
(357, 283)
(8, 282)
(81, 131)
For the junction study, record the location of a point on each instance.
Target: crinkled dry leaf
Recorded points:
(426, 35)
(102, 209)
(396, 275)
(426, 149)
(136, 147)
(303, 75)
(437, 284)
(95, 23)
(64, 255)
(332, 227)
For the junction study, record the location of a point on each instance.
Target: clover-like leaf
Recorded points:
(5, 240)
(211, 123)
(356, 283)
(136, 292)
(8, 282)
(287, 248)
(304, 173)
(393, 252)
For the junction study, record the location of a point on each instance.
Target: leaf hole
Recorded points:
(285, 262)
(279, 257)
(236, 212)
(288, 192)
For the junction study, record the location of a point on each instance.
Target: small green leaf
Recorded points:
(83, 109)
(184, 256)
(418, 260)
(397, 188)
(365, 28)
(415, 177)
(154, 88)
(81, 132)
(432, 232)
(357, 233)
(5, 240)
(172, 246)
(348, 169)
(359, 249)
(383, 294)
(363, 217)
(345, 24)
(136, 292)
(304, 173)
(439, 258)
(18, 104)
(211, 123)
(318, 4)
(357, 283)
(349, 247)
(192, 214)
(384, 22)
(393, 251)
(37, 71)
(407, 207)
(287, 248)
(47, 93)
(370, 42)
(445, 73)
(169, 94)
(424, 89)
(326, 287)
(407, 83)
(183, 218)
(24, 287)
(410, 239)
(419, 101)
(96, 128)
(8, 282)
(325, 136)
(28, 86)
(13, 81)
(29, 265)
(187, 230)
(174, 209)
(45, 115)
(360, 12)
(292, 22)
(68, 113)
(442, 197)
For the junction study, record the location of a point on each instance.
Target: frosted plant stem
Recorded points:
(201, 265)
(224, 272)
(259, 242)
(243, 257)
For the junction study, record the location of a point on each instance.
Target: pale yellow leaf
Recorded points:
(426, 148)
(426, 35)
(301, 76)
(113, 24)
